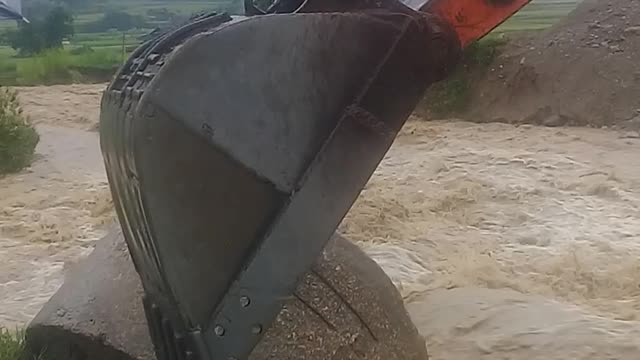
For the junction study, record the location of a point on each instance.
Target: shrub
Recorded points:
(18, 138)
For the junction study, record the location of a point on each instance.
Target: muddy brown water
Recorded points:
(506, 242)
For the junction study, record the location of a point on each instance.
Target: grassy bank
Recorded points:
(90, 58)
(62, 67)
(12, 346)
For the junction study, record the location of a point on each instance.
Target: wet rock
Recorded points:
(554, 120)
(615, 48)
(538, 116)
(630, 135)
(528, 240)
(345, 308)
(632, 31)
(500, 119)
(97, 314)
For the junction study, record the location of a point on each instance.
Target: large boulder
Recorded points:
(345, 308)
(97, 313)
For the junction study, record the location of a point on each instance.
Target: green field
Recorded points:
(538, 15)
(109, 46)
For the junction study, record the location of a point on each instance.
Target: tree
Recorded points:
(37, 9)
(42, 34)
(57, 26)
(27, 40)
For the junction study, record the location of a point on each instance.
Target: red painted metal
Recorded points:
(473, 19)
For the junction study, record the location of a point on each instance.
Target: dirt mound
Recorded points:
(583, 71)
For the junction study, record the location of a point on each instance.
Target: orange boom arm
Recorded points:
(473, 19)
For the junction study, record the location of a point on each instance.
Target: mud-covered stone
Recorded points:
(97, 313)
(345, 308)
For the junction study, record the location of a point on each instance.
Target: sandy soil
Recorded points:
(506, 242)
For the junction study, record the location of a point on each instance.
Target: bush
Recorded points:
(450, 95)
(18, 138)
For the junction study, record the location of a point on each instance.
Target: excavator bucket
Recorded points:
(234, 146)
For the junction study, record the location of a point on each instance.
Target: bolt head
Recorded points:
(256, 329)
(219, 330)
